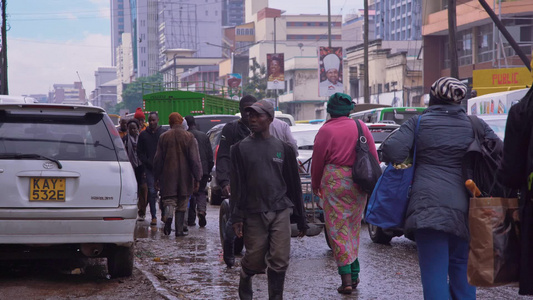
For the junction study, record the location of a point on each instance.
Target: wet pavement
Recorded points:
(191, 267)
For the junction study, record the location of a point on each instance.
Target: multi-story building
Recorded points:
(68, 94)
(105, 91)
(145, 34)
(399, 20)
(190, 25)
(480, 46)
(125, 74)
(232, 12)
(120, 23)
(353, 27)
(298, 37)
(395, 73)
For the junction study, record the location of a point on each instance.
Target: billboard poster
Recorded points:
(275, 71)
(330, 71)
(235, 86)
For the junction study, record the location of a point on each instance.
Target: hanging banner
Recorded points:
(330, 71)
(235, 86)
(276, 71)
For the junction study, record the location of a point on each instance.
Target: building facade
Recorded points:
(125, 73)
(68, 94)
(120, 23)
(395, 73)
(232, 12)
(399, 20)
(353, 27)
(480, 46)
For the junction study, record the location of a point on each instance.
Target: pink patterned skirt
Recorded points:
(344, 203)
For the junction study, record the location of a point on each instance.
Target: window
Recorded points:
(206, 12)
(484, 43)
(216, 13)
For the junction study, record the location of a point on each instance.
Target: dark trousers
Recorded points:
(142, 191)
(198, 201)
(152, 193)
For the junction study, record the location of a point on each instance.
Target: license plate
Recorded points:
(47, 189)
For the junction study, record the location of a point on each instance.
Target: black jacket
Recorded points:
(517, 172)
(204, 147)
(439, 199)
(231, 133)
(147, 146)
(290, 176)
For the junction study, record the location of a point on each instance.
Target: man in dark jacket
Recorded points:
(146, 148)
(266, 190)
(517, 172)
(199, 198)
(231, 134)
(177, 171)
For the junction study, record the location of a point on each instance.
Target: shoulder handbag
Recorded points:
(365, 169)
(388, 202)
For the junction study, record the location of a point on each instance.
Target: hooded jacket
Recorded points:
(439, 199)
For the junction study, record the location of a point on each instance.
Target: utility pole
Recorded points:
(365, 35)
(452, 29)
(3, 59)
(275, 35)
(329, 24)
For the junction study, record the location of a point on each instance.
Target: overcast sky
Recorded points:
(54, 41)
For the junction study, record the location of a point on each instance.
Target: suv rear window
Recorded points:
(62, 137)
(206, 122)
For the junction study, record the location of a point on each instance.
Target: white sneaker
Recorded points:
(140, 218)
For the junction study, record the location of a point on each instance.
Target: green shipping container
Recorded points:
(188, 103)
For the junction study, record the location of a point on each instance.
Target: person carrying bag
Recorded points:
(388, 202)
(437, 213)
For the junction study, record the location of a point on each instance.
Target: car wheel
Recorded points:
(215, 197)
(378, 235)
(120, 262)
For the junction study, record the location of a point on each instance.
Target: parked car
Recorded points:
(305, 134)
(68, 188)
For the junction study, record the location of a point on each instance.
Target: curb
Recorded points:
(155, 283)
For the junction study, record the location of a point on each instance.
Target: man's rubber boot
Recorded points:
(276, 281)
(245, 286)
(180, 218)
(168, 220)
(229, 246)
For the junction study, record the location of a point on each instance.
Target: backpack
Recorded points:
(482, 160)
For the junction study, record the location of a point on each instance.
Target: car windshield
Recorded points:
(59, 137)
(305, 139)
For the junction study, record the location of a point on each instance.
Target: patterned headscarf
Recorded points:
(448, 89)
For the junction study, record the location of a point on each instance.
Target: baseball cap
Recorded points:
(262, 107)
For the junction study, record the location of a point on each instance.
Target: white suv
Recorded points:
(68, 189)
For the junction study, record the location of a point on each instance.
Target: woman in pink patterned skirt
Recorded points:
(331, 175)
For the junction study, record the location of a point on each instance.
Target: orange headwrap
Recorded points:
(175, 118)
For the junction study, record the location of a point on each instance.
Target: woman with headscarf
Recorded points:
(331, 179)
(437, 214)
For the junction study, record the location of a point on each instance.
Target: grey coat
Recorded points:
(439, 199)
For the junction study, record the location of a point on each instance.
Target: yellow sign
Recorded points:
(498, 80)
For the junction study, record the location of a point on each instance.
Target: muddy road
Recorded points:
(191, 267)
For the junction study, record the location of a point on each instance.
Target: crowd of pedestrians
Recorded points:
(257, 170)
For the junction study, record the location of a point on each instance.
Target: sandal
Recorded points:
(355, 283)
(345, 289)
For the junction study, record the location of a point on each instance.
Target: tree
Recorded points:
(133, 93)
(257, 83)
